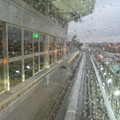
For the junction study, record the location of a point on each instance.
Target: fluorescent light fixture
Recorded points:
(17, 71)
(105, 73)
(103, 84)
(102, 68)
(28, 67)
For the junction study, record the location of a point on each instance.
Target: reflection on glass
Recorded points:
(1, 41)
(15, 73)
(28, 67)
(28, 42)
(36, 64)
(36, 42)
(42, 60)
(42, 43)
(1, 77)
(14, 41)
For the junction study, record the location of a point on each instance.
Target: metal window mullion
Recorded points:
(55, 48)
(32, 53)
(5, 59)
(46, 49)
(39, 52)
(64, 47)
(23, 70)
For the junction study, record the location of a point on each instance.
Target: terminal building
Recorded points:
(40, 78)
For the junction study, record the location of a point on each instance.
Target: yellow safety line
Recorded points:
(73, 57)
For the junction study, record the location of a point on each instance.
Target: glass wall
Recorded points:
(42, 43)
(36, 64)
(28, 42)
(36, 42)
(51, 43)
(42, 61)
(15, 72)
(22, 62)
(14, 41)
(28, 67)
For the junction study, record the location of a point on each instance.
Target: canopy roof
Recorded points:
(73, 10)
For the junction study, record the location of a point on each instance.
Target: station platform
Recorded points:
(39, 104)
(39, 101)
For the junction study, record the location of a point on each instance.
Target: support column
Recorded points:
(47, 51)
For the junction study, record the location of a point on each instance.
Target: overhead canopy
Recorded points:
(73, 10)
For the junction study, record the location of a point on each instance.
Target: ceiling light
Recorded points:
(102, 68)
(109, 80)
(17, 71)
(117, 92)
(105, 73)
(28, 67)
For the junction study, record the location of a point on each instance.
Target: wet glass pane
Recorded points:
(1, 40)
(1, 77)
(42, 43)
(89, 26)
(36, 63)
(15, 73)
(42, 61)
(28, 67)
(28, 42)
(14, 41)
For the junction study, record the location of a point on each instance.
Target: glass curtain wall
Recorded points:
(26, 54)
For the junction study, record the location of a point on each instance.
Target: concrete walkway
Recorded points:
(39, 104)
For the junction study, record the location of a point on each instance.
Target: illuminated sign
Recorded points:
(35, 35)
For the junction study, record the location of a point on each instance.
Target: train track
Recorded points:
(90, 103)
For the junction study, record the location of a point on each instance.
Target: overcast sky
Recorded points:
(103, 25)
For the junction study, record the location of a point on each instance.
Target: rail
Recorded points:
(65, 88)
